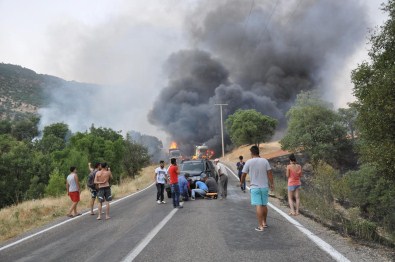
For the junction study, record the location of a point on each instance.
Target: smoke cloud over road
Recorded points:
(256, 55)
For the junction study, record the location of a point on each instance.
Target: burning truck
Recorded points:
(175, 152)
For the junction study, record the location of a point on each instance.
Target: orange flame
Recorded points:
(173, 145)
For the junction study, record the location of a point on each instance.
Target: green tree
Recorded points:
(25, 129)
(250, 127)
(56, 185)
(5, 127)
(348, 116)
(313, 127)
(135, 157)
(15, 159)
(375, 92)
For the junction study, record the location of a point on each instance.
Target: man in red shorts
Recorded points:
(73, 190)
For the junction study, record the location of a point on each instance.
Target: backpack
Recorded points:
(91, 178)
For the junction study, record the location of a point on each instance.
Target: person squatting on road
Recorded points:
(160, 178)
(211, 184)
(102, 179)
(91, 185)
(201, 188)
(184, 186)
(223, 179)
(293, 173)
(261, 178)
(73, 191)
(175, 189)
(240, 166)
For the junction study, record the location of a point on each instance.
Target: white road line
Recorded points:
(318, 241)
(137, 250)
(67, 221)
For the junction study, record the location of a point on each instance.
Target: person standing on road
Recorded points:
(93, 188)
(201, 188)
(223, 179)
(175, 189)
(293, 173)
(240, 166)
(102, 178)
(73, 191)
(160, 178)
(261, 178)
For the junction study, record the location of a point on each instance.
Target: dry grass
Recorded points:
(28, 215)
(267, 150)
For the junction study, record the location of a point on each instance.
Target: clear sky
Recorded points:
(118, 42)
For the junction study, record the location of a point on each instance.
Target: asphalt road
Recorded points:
(204, 230)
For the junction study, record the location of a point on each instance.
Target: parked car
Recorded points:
(195, 168)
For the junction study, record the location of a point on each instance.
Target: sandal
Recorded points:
(259, 229)
(69, 215)
(78, 214)
(291, 214)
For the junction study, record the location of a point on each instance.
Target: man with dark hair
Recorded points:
(160, 179)
(73, 191)
(94, 189)
(102, 178)
(175, 189)
(184, 186)
(240, 166)
(261, 178)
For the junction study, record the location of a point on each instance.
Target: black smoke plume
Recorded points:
(251, 55)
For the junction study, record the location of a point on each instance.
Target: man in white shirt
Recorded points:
(160, 178)
(223, 179)
(261, 178)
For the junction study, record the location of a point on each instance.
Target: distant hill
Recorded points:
(23, 91)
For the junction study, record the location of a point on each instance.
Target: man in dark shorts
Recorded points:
(95, 189)
(102, 179)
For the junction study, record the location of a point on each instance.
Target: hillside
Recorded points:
(23, 91)
(267, 150)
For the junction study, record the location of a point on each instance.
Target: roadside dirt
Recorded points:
(267, 150)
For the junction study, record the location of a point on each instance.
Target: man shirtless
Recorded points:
(102, 179)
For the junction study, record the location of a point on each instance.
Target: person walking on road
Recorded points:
(103, 178)
(223, 179)
(240, 166)
(293, 173)
(175, 189)
(201, 188)
(160, 178)
(91, 185)
(261, 178)
(73, 191)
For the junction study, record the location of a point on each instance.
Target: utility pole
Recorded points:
(222, 129)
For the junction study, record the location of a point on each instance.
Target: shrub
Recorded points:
(56, 185)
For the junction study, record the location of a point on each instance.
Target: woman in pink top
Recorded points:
(294, 173)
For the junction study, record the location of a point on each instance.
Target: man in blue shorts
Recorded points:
(261, 178)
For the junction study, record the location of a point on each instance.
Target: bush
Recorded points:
(373, 194)
(56, 185)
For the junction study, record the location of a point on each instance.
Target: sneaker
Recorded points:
(180, 207)
(158, 201)
(259, 229)
(192, 198)
(163, 202)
